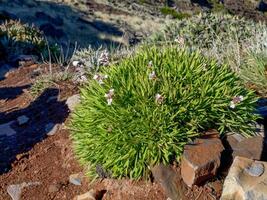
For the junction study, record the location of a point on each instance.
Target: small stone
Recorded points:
(22, 120)
(53, 188)
(75, 179)
(73, 101)
(21, 156)
(201, 160)
(91, 195)
(246, 180)
(51, 129)
(256, 169)
(15, 190)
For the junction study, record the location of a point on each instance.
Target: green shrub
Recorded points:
(159, 100)
(170, 11)
(18, 38)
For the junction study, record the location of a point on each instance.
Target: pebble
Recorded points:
(53, 188)
(15, 190)
(51, 129)
(22, 120)
(256, 169)
(75, 179)
(91, 195)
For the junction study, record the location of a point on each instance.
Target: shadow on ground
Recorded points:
(62, 23)
(43, 114)
(203, 3)
(8, 93)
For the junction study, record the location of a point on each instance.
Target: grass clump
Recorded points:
(201, 31)
(170, 11)
(150, 105)
(254, 72)
(18, 38)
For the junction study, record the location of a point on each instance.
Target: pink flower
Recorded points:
(180, 40)
(104, 58)
(236, 100)
(100, 78)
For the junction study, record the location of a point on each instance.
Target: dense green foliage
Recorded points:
(202, 30)
(152, 115)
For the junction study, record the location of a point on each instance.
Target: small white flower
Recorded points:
(109, 101)
(150, 63)
(159, 98)
(111, 91)
(83, 78)
(96, 77)
(152, 75)
(100, 78)
(241, 98)
(109, 96)
(75, 63)
(232, 105)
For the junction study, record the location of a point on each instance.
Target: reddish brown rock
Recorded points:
(256, 151)
(170, 181)
(201, 160)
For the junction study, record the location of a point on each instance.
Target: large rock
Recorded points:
(247, 179)
(201, 160)
(170, 181)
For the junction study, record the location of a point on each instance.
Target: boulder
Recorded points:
(247, 179)
(201, 160)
